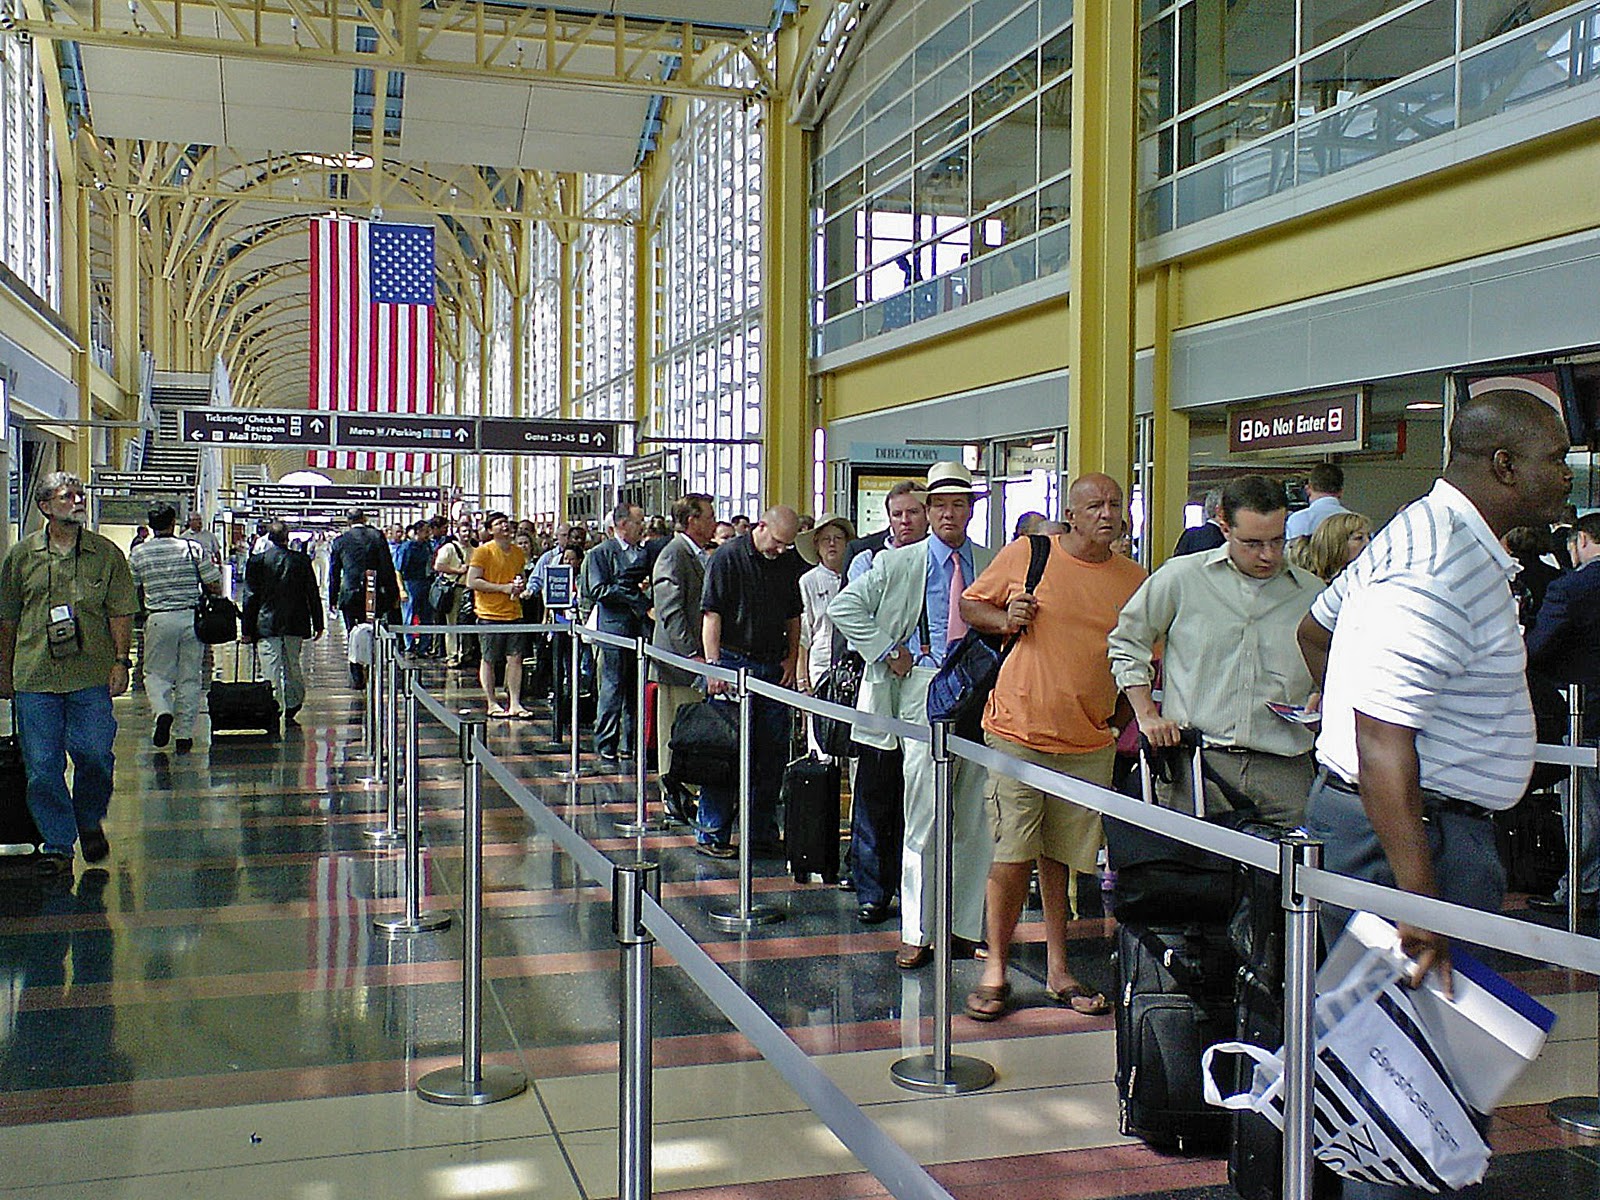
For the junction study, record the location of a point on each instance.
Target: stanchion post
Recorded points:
(748, 915)
(473, 1083)
(941, 1072)
(630, 883)
(642, 822)
(1296, 851)
(575, 646)
(1576, 1114)
(412, 920)
(387, 649)
(374, 723)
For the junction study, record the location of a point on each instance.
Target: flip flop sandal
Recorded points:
(1094, 1003)
(500, 714)
(523, 714)
(988, 1002)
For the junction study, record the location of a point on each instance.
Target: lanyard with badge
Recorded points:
(61, 631)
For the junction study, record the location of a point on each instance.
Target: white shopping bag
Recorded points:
(358, 649)
(1389, 1107)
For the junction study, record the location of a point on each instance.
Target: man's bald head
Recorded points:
(1094, 516)
(1092, 484)
(776, 530)
(1502, 420)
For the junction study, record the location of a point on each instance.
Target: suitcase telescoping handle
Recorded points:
(1187, 739)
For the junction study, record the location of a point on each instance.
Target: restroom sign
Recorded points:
(1321, 424)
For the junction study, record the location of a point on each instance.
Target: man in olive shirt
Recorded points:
(66, 622)
(1228, 618)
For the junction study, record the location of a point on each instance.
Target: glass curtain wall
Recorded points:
(944, 168)
(1244, 100)
(30, 236)
(540, 497)
(707, 368)
(604, 295)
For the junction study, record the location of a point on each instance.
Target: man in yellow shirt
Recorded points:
(495, 577)
(1052, 704)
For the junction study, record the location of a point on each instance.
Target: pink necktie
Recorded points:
(955, 627)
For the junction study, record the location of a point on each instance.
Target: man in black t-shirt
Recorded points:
(751, 619)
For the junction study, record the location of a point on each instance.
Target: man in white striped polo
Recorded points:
(1427, 727)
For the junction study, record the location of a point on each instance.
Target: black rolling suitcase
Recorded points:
(811, 818)
(1175, 970)
(245, 706)
(19, 836)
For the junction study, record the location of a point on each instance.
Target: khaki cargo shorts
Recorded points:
(1027, 823)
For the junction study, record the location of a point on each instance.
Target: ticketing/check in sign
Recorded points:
(1324, 424)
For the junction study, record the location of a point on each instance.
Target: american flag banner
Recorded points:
(372, 332)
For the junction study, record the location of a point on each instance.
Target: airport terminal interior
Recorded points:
(778, 252)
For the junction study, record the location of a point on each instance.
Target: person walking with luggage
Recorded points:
(496, 578)
(1227, 618)
(902, 616)
(1052, 704)
(677, 582)
(357, 550)
(751, 618)
(67, 601)
(170, 573)
(616, 576)
(280, 611)
(877, 785)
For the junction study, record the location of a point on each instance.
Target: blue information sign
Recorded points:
(558, 586)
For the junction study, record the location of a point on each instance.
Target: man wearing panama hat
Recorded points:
(902, 616)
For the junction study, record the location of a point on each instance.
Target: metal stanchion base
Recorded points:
(384, 836)
(548, 748)
(1577, 1114)
(919, 1073)
(399, 927)
(732, 921)
(446, 1086)
(639, 828)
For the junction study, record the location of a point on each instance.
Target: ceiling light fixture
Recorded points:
(1424, 406)
(340, 162)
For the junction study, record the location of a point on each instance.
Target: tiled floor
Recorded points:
(211, 1015)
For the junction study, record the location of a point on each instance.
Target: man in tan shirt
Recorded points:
(1228, 619)
(1052, 705)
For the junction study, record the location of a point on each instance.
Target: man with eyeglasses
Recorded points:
(67, 602)
(1228, 619)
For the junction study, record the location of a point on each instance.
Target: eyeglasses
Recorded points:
(1255, 546)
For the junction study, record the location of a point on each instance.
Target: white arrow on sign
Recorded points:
(462, 435)
(317, 425)
(197, 436)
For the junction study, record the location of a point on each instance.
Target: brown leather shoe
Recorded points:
(911, 956)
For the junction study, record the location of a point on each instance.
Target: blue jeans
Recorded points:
(52, 725)
(416, 606)
(769, 752)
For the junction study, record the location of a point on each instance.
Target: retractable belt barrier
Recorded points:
(1296, 859)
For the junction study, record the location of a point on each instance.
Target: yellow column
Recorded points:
(567, 323)
(521, 286)
(1105, 63)
(1169, 478)
(785, 236)
(644, 319)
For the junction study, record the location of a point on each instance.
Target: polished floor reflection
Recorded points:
(211, 1014)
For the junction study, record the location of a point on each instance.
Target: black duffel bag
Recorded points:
(705, 744)
(840, 684)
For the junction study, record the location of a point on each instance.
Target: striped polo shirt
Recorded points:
(1425, 636)
(165, 567)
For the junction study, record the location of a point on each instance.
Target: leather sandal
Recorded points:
(987, 1002)
(1081, 1000)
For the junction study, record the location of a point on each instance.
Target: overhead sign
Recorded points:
(144, 482)
(1323, 424)
(909, 455)
(256, 427)
(405, 432)
(383, 431)
(516, 436)
(338, 493)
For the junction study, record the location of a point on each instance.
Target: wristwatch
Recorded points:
(125, 662)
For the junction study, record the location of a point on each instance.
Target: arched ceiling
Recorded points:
(222, 125)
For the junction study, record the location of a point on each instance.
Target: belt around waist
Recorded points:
(1432, 802)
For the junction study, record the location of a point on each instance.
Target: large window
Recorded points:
(707, 368)
(944, 177)
(1244, 99)
(30, 242)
